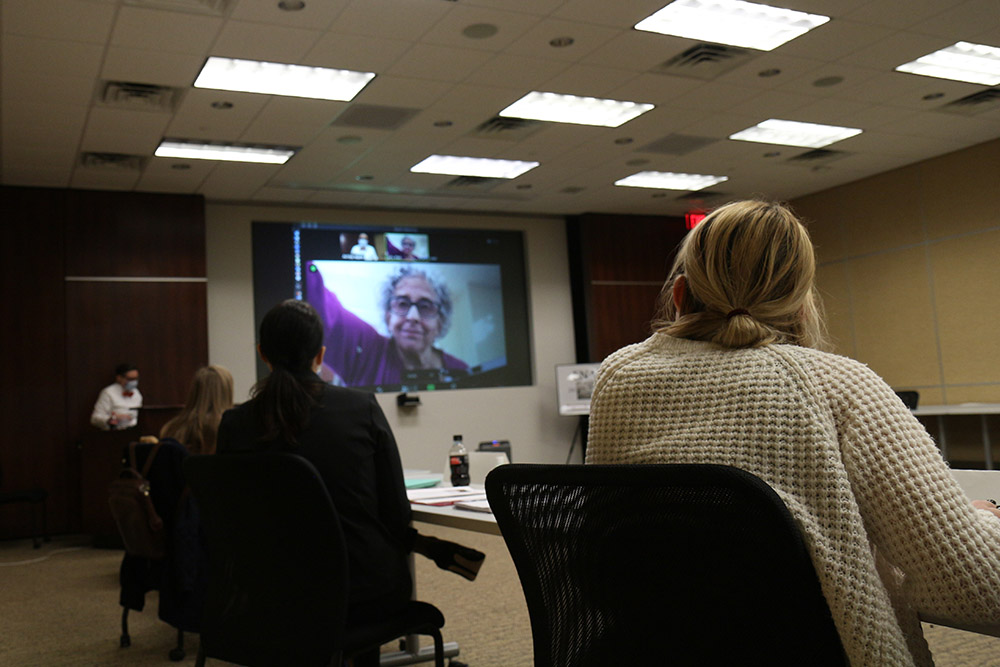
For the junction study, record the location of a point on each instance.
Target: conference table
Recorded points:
(442, 515)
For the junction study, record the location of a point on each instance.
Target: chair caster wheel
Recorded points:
(176, 654)
(125, 641)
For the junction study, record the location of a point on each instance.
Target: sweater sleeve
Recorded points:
(915, 512)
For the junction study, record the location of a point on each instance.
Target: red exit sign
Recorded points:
(691, 220)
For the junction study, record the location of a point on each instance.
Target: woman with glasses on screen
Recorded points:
(417, 312)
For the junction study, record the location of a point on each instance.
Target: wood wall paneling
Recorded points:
(618, 267)
(135, 234)
(63, 338)
(33, 339)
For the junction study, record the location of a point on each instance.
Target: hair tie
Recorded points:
(736, 311)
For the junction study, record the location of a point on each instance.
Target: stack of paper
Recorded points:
(445, 495)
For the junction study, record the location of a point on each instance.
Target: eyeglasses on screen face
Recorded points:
(400, 305)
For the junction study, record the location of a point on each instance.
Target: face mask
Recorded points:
(131, 385)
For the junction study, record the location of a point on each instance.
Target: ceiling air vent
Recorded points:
(816, 158)
(508, 129)
(705, 61)
(375, 117)
(472, 183)
(139, 96)
(676, 144)
(112, 161)
(976, 103)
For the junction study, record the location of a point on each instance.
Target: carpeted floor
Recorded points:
(59, 607)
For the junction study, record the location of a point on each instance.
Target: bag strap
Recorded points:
(149, 460)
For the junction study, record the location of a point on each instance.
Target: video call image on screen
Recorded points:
(403, 309)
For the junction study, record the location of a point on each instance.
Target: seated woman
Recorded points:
(417, 312)
(196, 426)
(345, 435)
(732, 375)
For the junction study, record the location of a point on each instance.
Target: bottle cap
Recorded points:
(456, 437)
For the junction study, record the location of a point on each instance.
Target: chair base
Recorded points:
(422, 654)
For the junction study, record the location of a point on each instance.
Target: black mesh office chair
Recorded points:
(278, 570)
(661, 564)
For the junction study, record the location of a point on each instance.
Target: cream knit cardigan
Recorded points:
(856, 469)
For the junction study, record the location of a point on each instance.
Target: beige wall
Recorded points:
(909, 269)
(527, 416)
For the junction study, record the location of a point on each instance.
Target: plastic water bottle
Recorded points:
(458, 459)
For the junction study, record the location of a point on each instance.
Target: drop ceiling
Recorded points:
(88, 88)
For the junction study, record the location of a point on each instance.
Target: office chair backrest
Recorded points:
(661, 564)
(278, 576)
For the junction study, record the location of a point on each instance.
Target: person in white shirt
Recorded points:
(362, 250)
(118, 404)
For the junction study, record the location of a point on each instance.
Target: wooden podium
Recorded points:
(101, 461)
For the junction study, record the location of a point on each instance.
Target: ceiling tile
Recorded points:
(154, 67)
(75, 20)
(103, 131)
(389, 19)
(33, 55)
(449, 30)
(172, 32)
(259, 41)
(586, 38)
(438, 63)
(356, 52)
(197, 119)
(315, 15)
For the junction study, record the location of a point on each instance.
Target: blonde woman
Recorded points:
(733, 375)
(197, 425)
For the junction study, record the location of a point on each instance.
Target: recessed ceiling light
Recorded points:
(962, 61)
(199, 150)
(666, 180)
(795, 133)
(732, 22)
(456, 165)
(557, 108)
(252, 76)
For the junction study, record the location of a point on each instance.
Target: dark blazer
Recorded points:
(349, 441)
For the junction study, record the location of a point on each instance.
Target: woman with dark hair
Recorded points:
(734, 374)
(342, 432)
(345, 435)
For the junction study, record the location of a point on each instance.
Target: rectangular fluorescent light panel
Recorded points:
(795, 133)
(962, 61)
(732, 22)
(557, 108)
(455, 165)
(666, 180)
(252, 76)
(227, 152)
